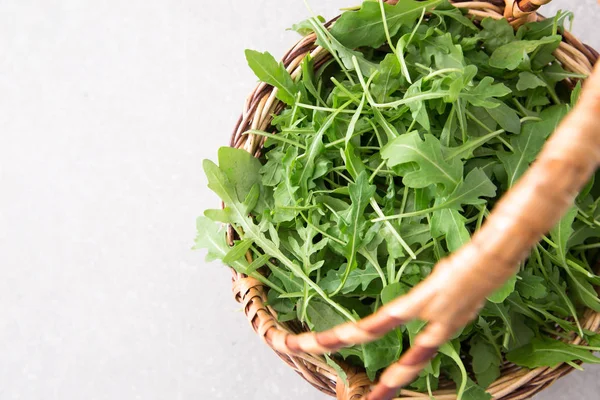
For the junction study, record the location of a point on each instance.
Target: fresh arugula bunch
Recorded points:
(388, 158)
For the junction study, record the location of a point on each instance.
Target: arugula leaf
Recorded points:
(510, 55)
(427, 154)
(382, 353)
(456, 15)
(329, 42)
(486, 361)
(467, 389)
(470, 190)
(305, 28)
(531, 286)
(562, 232)
(357, 278)
(361, 193)
(321, 316)
(388, 80)
(506, 117)
(241, 168)
(528, 80)
(522, 334)
(268, 70)
(526, 148)
(549, 353)
(211, 237)
(502, 294)
(366, 26)
(452, 225)
(391, 292)
(496, 33)
(482, 95)
(444, 52)
(584, 292)
(237, 252)
(338, 369)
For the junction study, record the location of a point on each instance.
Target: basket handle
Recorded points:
(515, 9)
(522, 8)
(458, 286)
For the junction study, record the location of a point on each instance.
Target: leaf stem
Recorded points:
(379, 168)
(385, 27)
(275, 137)
(375, 265)
(393, 230)
(587, 246)
(325, 109)
(408, 261)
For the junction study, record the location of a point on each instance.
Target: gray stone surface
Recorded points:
(107, 110)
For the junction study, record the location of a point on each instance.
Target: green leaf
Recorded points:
(305, 28)
(392, 291)
(484, 93)
(501, 311)
(451, 224)
(285, 194)
(329, 42)
(522, 334)
(496, 33)
(357, 278)
(501, 294)
(528, 80)
(219, 183)
(353, 224)
(389, 78)
(510, 55)
(212, 238)
(354, 164)
(365, 27)
(539, 29)
(470, 190)
(562, 232)
(268, 70)
(506, 117)
(486, 361)
(314, 148)
(383, 352)
(531, 286)
(321, 316)
(526, 148)
(308, 77)
(251, 199)
(427, 155)
(467, 389)
(551, 117)
(444, 52)
(575, 94)
(238, 251)
(543, 352)
(338, 369)
(584, 292)
(457, 15)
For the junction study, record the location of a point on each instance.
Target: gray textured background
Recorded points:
(107, 109)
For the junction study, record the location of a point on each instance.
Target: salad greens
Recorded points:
(386, 159)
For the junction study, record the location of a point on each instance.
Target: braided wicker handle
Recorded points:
(457, 288)
(522, 8)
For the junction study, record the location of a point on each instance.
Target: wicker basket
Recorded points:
(568, 160)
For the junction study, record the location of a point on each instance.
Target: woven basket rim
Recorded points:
(515, 383)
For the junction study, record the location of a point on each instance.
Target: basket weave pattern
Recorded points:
(515, 383)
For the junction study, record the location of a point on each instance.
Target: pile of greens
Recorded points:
(388, 158)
